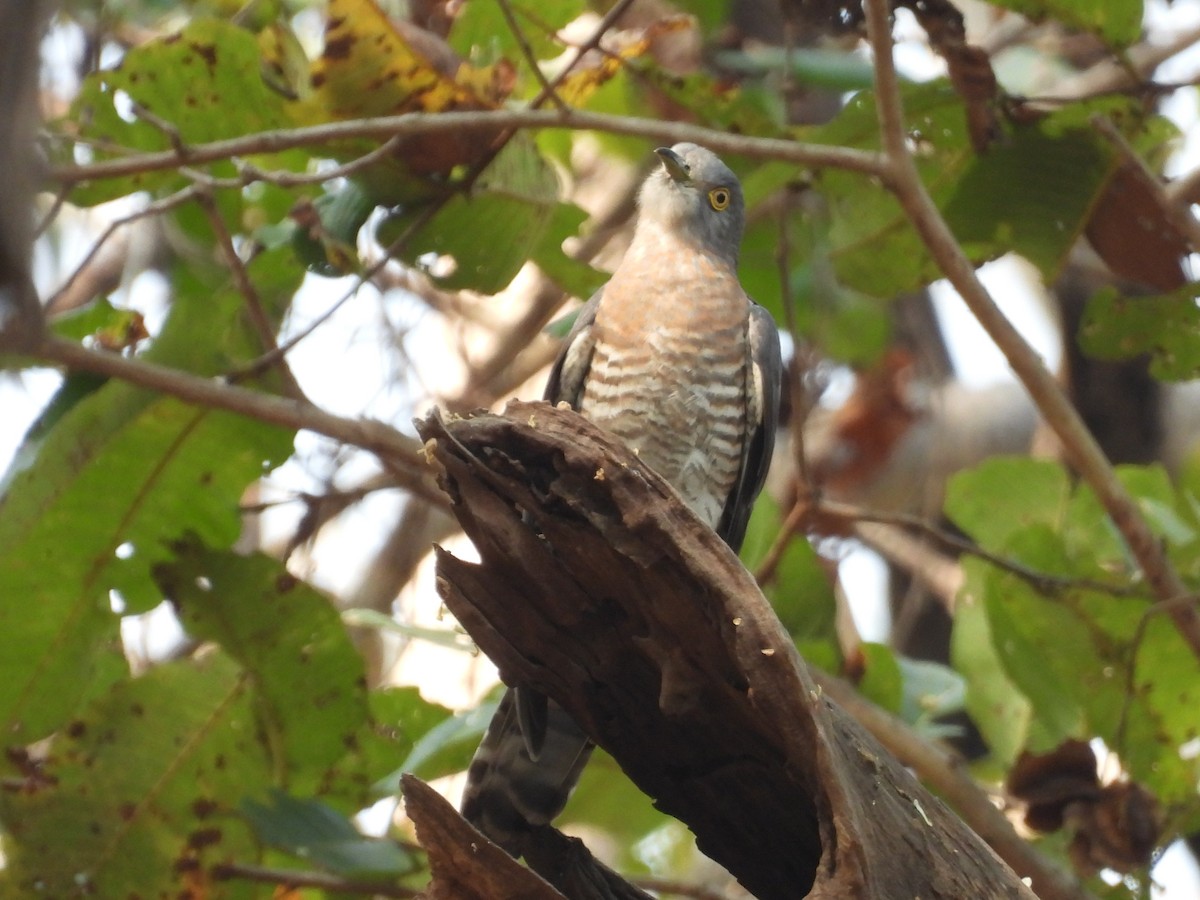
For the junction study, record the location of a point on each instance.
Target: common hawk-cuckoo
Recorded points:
(674, 358)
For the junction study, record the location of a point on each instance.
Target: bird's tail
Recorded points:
(509, 792)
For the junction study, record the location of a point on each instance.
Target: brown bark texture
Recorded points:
(598, 587)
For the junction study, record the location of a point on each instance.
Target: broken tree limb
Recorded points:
(599, 588)
(463, 864)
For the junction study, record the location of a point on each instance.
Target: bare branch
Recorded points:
(399, 454)
(258, 316)
(530, 59)
(386, 127)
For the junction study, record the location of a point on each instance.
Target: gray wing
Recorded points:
(570, 369)
(766, 373)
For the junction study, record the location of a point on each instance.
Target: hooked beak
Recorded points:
(674, 164)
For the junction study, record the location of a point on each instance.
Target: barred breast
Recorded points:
(669, 377)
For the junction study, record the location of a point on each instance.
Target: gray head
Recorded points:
(696, 194)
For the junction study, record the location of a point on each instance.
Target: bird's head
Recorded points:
(696, 194)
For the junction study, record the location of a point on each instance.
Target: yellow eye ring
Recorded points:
(718, 198)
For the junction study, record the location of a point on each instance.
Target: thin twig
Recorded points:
(1042, 582)
(793, 522)
(899, 174)
(158, 207)
(527, 51)
(400, 454)
(1140, 61)
(248, 173)
(259, 320)
(607, 22)
(293, 879)
(384, 127)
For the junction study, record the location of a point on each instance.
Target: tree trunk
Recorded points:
(600, 589)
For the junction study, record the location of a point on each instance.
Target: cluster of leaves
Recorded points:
(267, 740)
(1088, 656)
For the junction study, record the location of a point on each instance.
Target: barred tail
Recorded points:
(509, 792)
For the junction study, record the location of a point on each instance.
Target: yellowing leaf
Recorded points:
(373, 66)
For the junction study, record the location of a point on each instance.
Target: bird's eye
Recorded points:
(718, 198)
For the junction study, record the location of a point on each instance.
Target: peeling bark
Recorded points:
(599, 588)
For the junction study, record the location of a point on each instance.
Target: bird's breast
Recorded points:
(669, 377)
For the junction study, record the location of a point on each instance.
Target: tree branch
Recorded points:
(901, 177)
(21, 320)
(399, 454)
(386, 127)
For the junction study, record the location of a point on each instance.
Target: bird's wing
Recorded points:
(766, 372)
(569, 372)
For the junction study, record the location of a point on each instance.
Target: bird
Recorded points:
(675, 360)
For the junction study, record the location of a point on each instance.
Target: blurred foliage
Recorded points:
(1065, 658)
(263, 744)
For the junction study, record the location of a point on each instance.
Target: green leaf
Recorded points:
(810, 66)
(314, 832)
(1005, 495)
(800, 590)
(576, 278)
(445, 748)
(402, 718)
(1117, 22)
(607, 800)
(1166, 326)
(997, 707)
(454, 639)
(308, 679)
(931, 690)
(92, 502)
(1045, 652)
(98, 316)
(138, 797)
(204, 83)
(1165, 682)
(490, 234)
(881, 682)
(330, 247)
(481, 33)
(1030, 193)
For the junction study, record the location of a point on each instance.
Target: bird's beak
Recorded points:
(674, 164)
